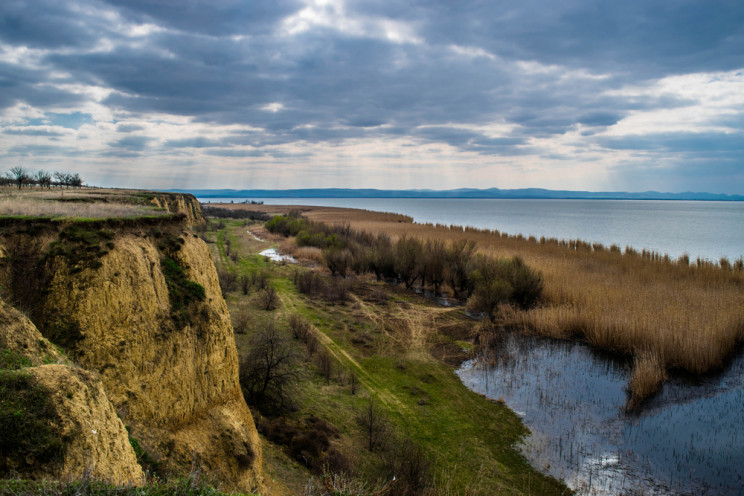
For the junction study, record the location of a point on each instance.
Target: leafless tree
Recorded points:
(270, 371)
(375, 426)
(19, 175)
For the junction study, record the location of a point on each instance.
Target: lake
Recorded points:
(708, 230)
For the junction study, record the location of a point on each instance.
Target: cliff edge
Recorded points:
(139, 305)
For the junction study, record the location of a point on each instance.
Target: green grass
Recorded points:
(469, 439)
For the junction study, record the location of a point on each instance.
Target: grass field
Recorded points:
(395, 347)
(689, 316)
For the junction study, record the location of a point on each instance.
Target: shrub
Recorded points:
(268, 299)
(325, 364)
(300, 327)
(228, 280)
(337, 260)
(241, 320)
(526, 283)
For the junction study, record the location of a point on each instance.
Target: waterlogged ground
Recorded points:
(687, 440)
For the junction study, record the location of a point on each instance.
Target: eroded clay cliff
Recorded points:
(63, 425)
(140, 306)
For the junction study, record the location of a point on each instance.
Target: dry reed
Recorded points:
(647, 377)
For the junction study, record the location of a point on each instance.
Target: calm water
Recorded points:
(701, 229)
(688, 440)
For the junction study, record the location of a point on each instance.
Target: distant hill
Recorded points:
(528, 193)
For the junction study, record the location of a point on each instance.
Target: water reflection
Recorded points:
(689, 439)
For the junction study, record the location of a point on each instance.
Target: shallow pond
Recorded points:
(689, 439)
(275, 256)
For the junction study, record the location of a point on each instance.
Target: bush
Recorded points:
(337, 260)
(268, 299)
(300, 327)
(526, 283)
(308, 441)
(228, 280)
(241, 320)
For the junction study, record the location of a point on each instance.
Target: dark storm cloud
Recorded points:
(651, 36)
(45, 23)
(216, 17)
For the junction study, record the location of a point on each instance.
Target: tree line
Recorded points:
(20, 176)
(483, 281)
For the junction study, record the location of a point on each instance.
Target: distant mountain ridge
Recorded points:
(526, 193)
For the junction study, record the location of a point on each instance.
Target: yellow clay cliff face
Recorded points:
(180, 203)
(141, 308)
(176, 387)
(93, 440)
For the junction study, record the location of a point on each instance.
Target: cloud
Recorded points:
(132, 143)
(490, 86)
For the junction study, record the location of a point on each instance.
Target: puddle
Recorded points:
(275, 256)
(688, 440)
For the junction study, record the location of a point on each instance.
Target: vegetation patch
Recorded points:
(26, 413)
(81, 245)
(182, 292)
(12, 360)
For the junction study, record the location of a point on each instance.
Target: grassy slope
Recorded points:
(469, 438)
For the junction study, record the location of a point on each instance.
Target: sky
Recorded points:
(563, 94)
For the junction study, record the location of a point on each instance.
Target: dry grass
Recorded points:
(64, 204)
(647, 377)
(691, 316)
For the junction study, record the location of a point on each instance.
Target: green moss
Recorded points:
(26, 435)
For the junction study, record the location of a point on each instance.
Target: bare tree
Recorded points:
(63, 178)
(43, 179)
(270, 371)
(325, 365)
(375, 426)
(19, 175)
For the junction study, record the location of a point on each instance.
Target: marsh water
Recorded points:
(689, 439)
(706, 229)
